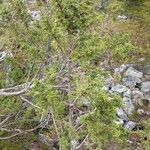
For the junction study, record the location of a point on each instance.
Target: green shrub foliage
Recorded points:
(57, 53)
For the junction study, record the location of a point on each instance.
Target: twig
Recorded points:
(6, 119)
(54, 121)
(11, 136)
(29, 73)
(20, 132)
(79, 146)
(27, 86)
(24, 99)
(2, 93)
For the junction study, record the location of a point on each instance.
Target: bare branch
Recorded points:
(54, 121)
(24, 99)
(20, 89)
(20, 131)
(3, 93)
(6, 119)
(9, 137)
(79, 146)
(29, 73)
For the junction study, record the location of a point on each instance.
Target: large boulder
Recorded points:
(131, 81)
(133, 72)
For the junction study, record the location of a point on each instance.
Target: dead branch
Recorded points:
(3, 93)
(21, 131)
(20, 89)
(79, 146)
(5, 120)
(25, 100)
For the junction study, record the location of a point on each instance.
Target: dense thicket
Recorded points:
(52, 68)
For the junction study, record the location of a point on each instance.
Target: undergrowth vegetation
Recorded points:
(54, 68)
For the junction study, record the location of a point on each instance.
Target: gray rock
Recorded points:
(105, 88)
(86, 102)
(5, 54)
(130, 84)
(119, 121)
(143, 112)
(119, 88)
(2, 55)
(128, 105)
(133, 72)
(132, 78)
(32, 1)
(141, 59)
(131, 81)
(145, 87)
(147, 96)
(147, 113)
(127, 93)
(121, 114)
(29, 1)
(137, 97)
(74, 144)
(147, 69)
(146, 78)
(109, 82)
(140, 111)
(78, 120)
(121, 69)
(130, 125)
(122, 17)
(35, 15)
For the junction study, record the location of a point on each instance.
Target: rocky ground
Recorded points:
(132, 84)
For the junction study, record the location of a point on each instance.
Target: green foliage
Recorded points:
(89, 47)
(66, 41)
(10, 104)
(94, 47)
(100, 121)
(15, 144)
(145, 134)
(73, 15)
(121, 46)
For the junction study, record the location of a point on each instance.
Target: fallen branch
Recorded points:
(25, 100)
(16, 93)
(5, 120)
